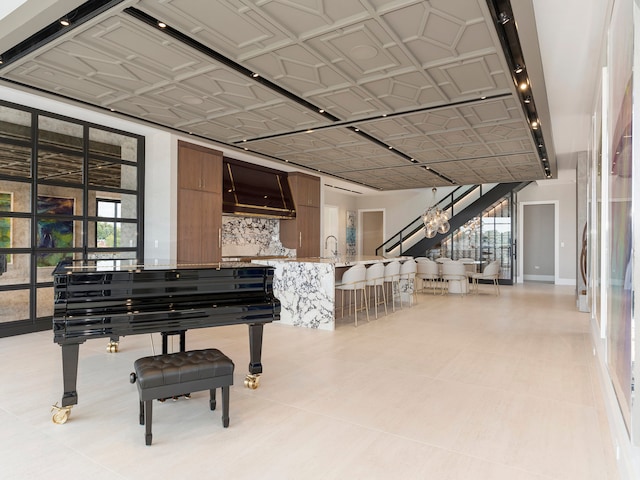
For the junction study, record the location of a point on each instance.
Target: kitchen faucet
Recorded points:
(326, 242)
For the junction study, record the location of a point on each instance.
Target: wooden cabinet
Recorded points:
(303, 232)
(305, 189)
(199, 204)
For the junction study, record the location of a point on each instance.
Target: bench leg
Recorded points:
(141, 412)
(147, 428)
(225, 406)
(212, 399)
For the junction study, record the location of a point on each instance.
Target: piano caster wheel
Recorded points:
(62, 414)
(251, 381)
(112, 347)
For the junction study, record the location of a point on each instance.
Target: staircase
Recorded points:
(411, 240)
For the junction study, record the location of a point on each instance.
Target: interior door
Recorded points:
(372, 231)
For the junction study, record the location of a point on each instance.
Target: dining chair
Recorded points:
(354, 281)
(428, 271)
(375, 279)
(490, 272)
(454, 271)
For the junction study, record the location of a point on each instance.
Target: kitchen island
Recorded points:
(306, 287)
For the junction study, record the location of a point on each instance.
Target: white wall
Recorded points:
(160, 208)
(344, 202)
(401, 207)
(562, 190)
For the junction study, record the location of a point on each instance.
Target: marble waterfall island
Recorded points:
(306, 287)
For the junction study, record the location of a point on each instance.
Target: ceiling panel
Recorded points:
(387, 88)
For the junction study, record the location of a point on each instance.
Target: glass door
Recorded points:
(485, 238)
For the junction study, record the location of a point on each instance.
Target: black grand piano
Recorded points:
(91, 301)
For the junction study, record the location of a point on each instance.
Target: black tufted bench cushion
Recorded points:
(174, 374)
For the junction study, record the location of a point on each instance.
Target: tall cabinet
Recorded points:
(303, 232)
(199, 204)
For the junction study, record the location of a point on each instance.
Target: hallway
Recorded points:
(480, 387)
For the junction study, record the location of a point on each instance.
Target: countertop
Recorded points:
(339, 261)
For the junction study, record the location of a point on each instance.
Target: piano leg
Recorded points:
(69, 378)
(70, 373)
(255, 356)
(112, 346)
(165, 340)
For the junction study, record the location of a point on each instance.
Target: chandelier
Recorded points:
(435, 220)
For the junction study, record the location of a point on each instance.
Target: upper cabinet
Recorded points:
(303, 232)
(199, 168)
(199, 204)
(305, 189)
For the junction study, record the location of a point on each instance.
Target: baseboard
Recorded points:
(539, 278)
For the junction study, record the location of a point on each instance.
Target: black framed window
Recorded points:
(69, 190)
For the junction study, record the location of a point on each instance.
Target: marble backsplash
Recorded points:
(252, 237)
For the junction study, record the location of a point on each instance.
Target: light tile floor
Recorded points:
(480, 387)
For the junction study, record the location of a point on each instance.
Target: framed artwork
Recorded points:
(351, 233)
(5, 223)
(54, 233)
(620, 206)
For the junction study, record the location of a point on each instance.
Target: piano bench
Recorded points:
(175, 374)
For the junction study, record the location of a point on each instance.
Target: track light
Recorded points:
(65, 22)
(527, 99)
(519, 68)
(162, 25)
(534, 125)
(503, 18)
(1, 60)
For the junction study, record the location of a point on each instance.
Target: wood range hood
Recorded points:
(255, 191)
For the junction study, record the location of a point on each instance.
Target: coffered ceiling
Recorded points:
(389, 94)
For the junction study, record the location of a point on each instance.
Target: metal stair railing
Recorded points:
(452, 202)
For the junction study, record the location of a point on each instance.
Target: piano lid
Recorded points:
(87, 266)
